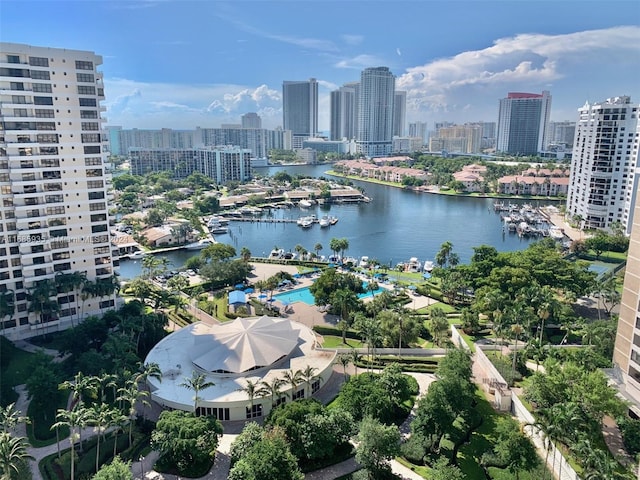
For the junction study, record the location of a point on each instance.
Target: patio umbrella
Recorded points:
(249, 290)
(412, 287)
(271, 300)
(262, 295)
(239, 286)
(296, 275)
(426, 275)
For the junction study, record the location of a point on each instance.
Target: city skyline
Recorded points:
(186, 64)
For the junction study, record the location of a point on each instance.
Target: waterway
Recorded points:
(395, 226)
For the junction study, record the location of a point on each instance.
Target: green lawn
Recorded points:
(19, 366)
(331, 341)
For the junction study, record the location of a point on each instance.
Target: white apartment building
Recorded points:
(523, 122)
(54, 191)
(221, 164)
(603, 166)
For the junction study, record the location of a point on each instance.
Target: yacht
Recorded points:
(414, 265)
(364, 262)
(428, 266)
(199, 245)
(305, 203)
(276, 254)
(137, 255)
(306, 222)
(325, 221)
(556, 233)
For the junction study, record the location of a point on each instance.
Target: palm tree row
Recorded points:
(99, 413)
(273, 387)
(13, 449)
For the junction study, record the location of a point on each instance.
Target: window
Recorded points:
(100, 250)
(62, 267)
(13, 59)
(47, 138)
(86, 90)
(17, 86)
(90, 138)
(42, 87)
(94, 207)
(55, 210)
(45, 126)
(20, 112)
(88, 102)
(85, 77)
(92, 150)
(44, 113)
(21, 99)
(91, 161)
(99, 217)
(84, 65)
(39, 61)
(88, 114)
(94, 172)
(298, 394)
(315, 386)
(95, 184)
(254, 411)
(42, 100)
(40, 75)
(90, 126)
(99, 228)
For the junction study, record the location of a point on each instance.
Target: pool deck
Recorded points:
(311, 315)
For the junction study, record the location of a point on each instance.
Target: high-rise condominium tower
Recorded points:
(375, 115)
(251, 120)
(523, 119)
(54, 181)
(603, 166)
(344, 108)
(626, 353)
(399, 113)
(300, 109)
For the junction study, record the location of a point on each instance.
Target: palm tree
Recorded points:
(73, 419)
(308, 375)
(69, 282)
(40, 301)
(345, 301)
(7, 305)
(13, 451)
(251, 389)
(197, 382)
(293, 379)
(10, 417)
(369, 330)
(316, 248)
(129, 395)
(271, 389)
(81, 386)
(344, 359)
(245, 254)
(101, 416)
(355, 358)
(516, 330)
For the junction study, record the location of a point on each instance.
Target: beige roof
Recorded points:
(244, 344)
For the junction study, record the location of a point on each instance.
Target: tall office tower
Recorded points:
(418, 129)
(344, 112)
(626, 353)
(375, 115)
(54, 181)
(251, 120)
(399, 113)
(603, 164)
(523, 121)
(300, 109)
(561, 133)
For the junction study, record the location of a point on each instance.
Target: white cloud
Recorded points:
(352, 39)
(156, 105)
(519, 62)
(359, 62)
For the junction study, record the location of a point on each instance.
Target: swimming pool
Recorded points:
(304, 295)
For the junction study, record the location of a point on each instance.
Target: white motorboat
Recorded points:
(306, 222)
(276, 254)
(199, 245)
(305, 203)
(364, 262)
(556, 233)
(428, 266)
(137, 255)
(325, 221)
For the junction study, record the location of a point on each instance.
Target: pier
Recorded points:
(262, 220)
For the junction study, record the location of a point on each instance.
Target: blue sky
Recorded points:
(182, 64)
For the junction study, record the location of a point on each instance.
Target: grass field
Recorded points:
(331, 341)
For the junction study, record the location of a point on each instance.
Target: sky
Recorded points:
(182, 64)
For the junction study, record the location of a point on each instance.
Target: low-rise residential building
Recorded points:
(472, 177)
(385, 173)
(533, 185)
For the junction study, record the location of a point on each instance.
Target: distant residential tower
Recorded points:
(523, 120)
(300, 109)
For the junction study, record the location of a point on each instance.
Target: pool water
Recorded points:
(304, 295)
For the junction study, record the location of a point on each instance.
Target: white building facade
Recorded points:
(603, 178)
(54, 189)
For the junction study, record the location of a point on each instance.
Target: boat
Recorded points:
(306, 222)
(556, 233)
(215, 220)
(333, 220)
(428, 266)
(305, 203)
(364, 262)
(276, 254)
(199, 245)
(219, 229)
(137, 255)
(325, 221)
(414, 265)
